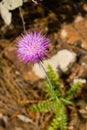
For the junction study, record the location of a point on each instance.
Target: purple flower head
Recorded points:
(32, 47)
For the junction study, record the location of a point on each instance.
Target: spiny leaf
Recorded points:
(62, 118)
(54, 124)
(65, 102)
(50, 91)
(54, 80)
(46, 106)
(72, 91)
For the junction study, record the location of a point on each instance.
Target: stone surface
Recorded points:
(83, 81)
(63, 59)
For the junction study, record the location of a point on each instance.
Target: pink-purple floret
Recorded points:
(32, 47)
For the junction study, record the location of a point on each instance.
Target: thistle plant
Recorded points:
(33, 47)
(56, 101)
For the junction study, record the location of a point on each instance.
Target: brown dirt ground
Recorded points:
(20, 87)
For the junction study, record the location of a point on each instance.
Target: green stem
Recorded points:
(48, 78)
(22, 18)
(46, 74)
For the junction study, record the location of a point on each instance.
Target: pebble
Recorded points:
(24, 118)
(83, 81)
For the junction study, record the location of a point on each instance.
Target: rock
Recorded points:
(5, 14)
(24, 118)
(6, 6)
(78, 19)
(83, 81)
(38, 70)
(12, 4)
(63, 34)
(63, 59)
